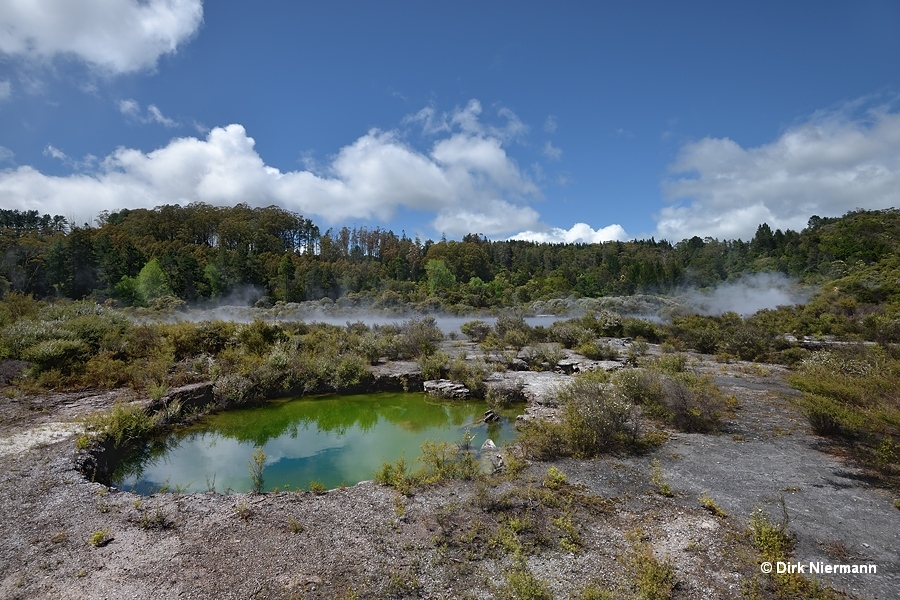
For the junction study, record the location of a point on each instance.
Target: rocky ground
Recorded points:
(454, 540)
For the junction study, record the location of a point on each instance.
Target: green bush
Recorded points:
(470, 373)
(521, 584)
(638, 328)
(689, 402)
(63, 355)
(597, 350)
(258, 337)
(567, 333)
(477, 331)
(125, 425)
(350, 371)
(434, 366)
(233, 390)
(694, 403)
(597, 417)
(513, 331)
(418, 337)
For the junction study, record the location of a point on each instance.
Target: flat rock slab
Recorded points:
(444, 388)
(539, 387)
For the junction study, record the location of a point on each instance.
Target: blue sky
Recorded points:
(575, 122)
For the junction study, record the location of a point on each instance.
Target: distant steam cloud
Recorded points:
(747, 295)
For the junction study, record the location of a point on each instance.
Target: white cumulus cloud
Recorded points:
(828, 165)
(466, 180)
(579, 233)
(117, 36)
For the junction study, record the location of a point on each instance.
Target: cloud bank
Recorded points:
(117, 36)
(580, 233)
(466, 179)
(831, 164)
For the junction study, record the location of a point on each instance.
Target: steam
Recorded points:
(747, 295)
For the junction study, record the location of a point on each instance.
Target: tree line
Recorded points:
(198, 252)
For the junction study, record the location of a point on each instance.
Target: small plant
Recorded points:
(434, 366)
(897, 504)
(317, 487)
(59, 537)
(656, 478)
(521, 584)
(709, 504)
(156, 391)
(652, 578)
(125, 424)
(100, 538)
(243, 510)
(595, 592)
(571, 541)
(772, 540)
(257, 464)
(555, 478)
(294, 526)
(155, 519)
(396, 475)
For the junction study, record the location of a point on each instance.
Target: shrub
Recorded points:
(259, 336)
(469, 373)
(652, 578)
(689, 402)
(104, 371)
(641, 386)
(99, 538)
(434, 366)
(567, 333)
(64, 355)
(396, 475)
(521, 584)
(419, 337)
(513, 331)
(597, 350)
(694, 403)
(17, 338)
(125, 425)
(555, 478)
(709, 504)
(350, 371)
(671, 363)
(544, 440)
(596, 417)
(371, 347)
(445, 461)
(638, 328)
(603, 323)
(233, 390)
(257, 464)
(477, 331)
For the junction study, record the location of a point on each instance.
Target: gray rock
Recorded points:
(444, 388)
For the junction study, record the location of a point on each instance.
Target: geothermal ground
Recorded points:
(453, 540)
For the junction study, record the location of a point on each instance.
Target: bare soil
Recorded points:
(445, 541)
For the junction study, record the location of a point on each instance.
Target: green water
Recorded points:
(334, 440)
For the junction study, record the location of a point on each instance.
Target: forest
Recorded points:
(199, 253)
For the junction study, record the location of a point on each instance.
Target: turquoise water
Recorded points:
(333, 440)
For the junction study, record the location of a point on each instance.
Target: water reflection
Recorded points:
(332, 440)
